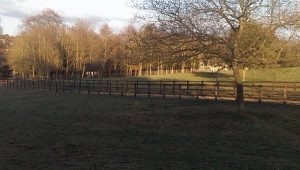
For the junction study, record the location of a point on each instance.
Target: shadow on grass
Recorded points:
(213, 75)
(74, 131)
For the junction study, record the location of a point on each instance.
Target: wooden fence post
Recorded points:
(234, 90)
(44, 83)
(149, 89)
(99, 87)
(56, 90)
(86, 84)
(259, 94)
(122, 85)
(164, 90)
(74, 85)
(135, 83)
(216, 90)
(79, 86)
(63, 85)
(201, 92)
(50, 88)
(187, 87)
(59, 84)
(71, 85)
(179, 90)
(173, 87)
(252, 89)
(88, 87)
(272, 89)
(160, 90)
(197, 92)
(32, 84)
(284, 94)
(117, 86)
(38, 84)
(110, 88)
(107, 89)
(93, 84)
(126, 87)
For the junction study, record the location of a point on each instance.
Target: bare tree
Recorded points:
(38, 42)
(220, 27)
(83, 40)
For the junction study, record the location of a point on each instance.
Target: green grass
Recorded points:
(279, 74)
(41, 130)
(282, 74)
(203, 76)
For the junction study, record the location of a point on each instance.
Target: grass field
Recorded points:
(282, 74)
(41, 130)
(279, 74)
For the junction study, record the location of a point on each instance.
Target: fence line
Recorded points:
(284, 92)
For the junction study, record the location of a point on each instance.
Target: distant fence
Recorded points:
(283, 92)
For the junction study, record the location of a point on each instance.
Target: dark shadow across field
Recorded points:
(212, 75)
(41, 130)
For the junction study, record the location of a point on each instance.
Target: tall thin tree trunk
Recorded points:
(33, 71)
(183, 67)
(199, 65)
(150, 69)
(140, 69)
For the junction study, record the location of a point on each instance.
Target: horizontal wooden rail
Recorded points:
(283, 92)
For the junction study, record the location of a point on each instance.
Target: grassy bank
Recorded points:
(41, 130)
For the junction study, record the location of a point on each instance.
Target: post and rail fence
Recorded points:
(283, 92)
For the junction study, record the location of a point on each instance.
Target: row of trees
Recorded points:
(46, 46)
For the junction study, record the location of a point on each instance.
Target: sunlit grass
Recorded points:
(204, 76)
(279, 74)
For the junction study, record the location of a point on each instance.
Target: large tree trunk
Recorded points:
(239, 90)
(238, 71)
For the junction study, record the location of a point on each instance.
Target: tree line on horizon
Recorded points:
(47, 47)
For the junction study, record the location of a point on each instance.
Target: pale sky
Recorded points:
(116, 13)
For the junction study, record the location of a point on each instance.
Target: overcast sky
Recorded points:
(116, 13)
